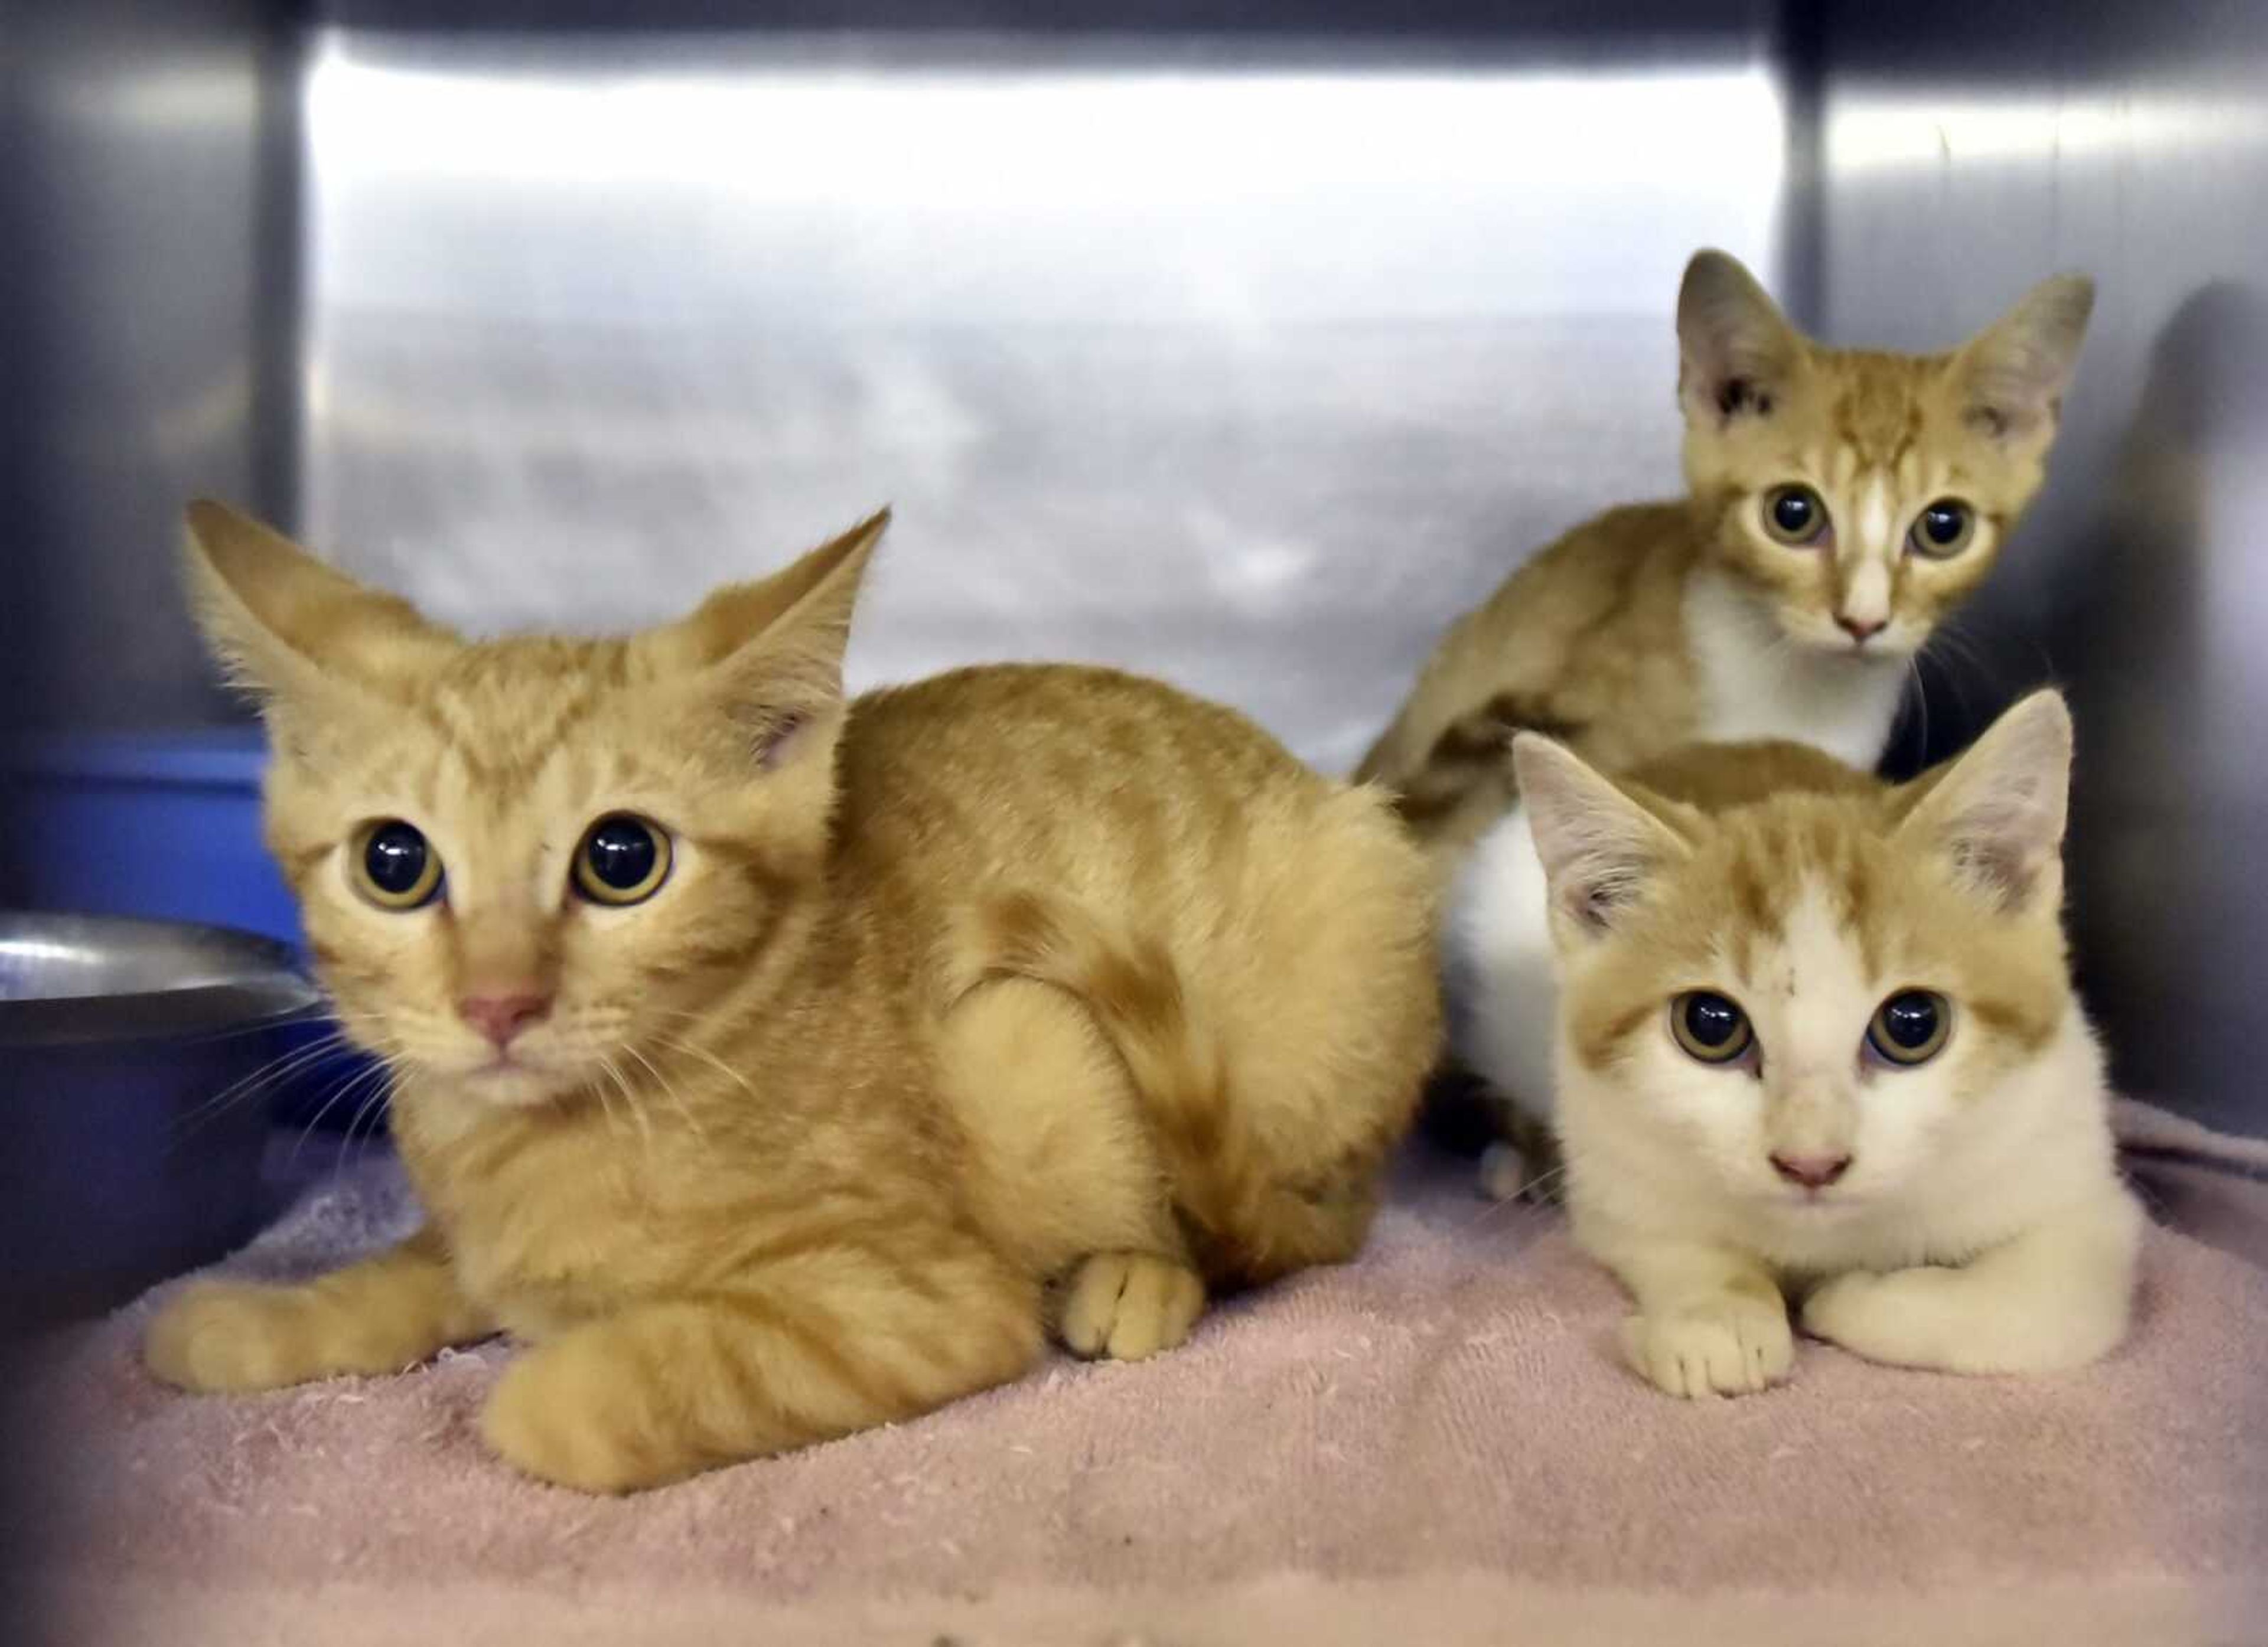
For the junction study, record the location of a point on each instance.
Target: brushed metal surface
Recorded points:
(1966, 150)
(144, 316)
(1245, 363)
(73, 977)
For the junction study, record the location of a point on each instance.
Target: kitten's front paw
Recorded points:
(1728, 1346)
(1848, 1310)
(224, 1335)
(564, 1415)
(1909, 1317)
(1128, 1306)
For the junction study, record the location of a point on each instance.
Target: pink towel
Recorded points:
(1434, 1444)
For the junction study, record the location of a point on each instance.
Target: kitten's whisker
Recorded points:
(675, 1098)
(378, 1100)
(351, 1084)
(1921, 699)
(712, 1060)
(282, 1067)
(630, 1102)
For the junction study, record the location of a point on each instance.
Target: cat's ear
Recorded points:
(2012, 375)
(1599, 846)
(1996, 813)
(284, 625)
(1736, 349)
(770, 651)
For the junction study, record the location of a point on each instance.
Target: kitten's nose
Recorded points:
(502, 1017)
(1813, 1172)
(1861, 630)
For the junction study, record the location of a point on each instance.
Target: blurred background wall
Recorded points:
(1242, 344)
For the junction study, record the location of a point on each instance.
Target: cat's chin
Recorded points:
(512, 1085)
(1813, 1207)
(1834, 645)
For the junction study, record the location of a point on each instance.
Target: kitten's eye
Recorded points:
(1794, 516)
(1943, 529)
(622, 860)
(393, 867)
(1911, 1026)
(1709, 1027)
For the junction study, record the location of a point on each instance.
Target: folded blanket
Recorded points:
(1434, 1444)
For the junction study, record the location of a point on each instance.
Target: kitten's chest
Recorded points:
(552, 1231)
(1755, 685)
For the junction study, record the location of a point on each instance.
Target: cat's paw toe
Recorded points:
(1127, 1305)
(1735, 1347)
(227, 1337)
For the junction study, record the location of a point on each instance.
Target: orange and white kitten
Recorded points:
(1840, 503)
(1817, 1037)
(776, 1066)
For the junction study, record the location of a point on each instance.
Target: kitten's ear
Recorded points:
(2014, 372)
(770, 651)
(1996, 813)
(1599, 846)
(284, 625)
(1736, 349)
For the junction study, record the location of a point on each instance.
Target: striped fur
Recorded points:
(1020, 999)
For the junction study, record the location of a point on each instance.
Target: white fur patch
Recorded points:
(1756, 683)
(1870, 542)
(1499, 969)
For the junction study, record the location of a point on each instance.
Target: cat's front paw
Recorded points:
(232, 1336)
(1852, 1310)
(1128, 1306)
(1731, 1346)
(1907, 1318)
(567, 1412)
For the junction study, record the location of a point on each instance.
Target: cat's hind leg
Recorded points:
(1063, 1169)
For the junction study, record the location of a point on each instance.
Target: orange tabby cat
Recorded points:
(778, 1066)
(1839, 502)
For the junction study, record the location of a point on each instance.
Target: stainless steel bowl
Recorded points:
(131, 1125)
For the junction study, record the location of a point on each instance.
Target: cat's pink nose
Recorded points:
(1813, 1172)
(1861, 630)
(502, 1017)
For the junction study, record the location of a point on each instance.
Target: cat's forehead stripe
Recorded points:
(506, 709)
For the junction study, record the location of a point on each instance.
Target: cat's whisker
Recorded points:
(243, 1090)
(629, 1102)
(1921, 696)
(709, 1058)
(675, 1098)
(376, 1101)
(351, 1084)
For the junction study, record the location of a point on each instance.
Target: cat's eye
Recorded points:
(1709, 1027)
(623, 859)
(394, 866)
(1911, 1026)
(1794, 516)
(1943, 529)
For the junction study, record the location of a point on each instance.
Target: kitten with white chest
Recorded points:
(1816, 1038)
(1840, 505)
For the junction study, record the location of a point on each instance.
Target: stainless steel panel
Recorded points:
(143, 311)
(1968, 149)
(1246, 362)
